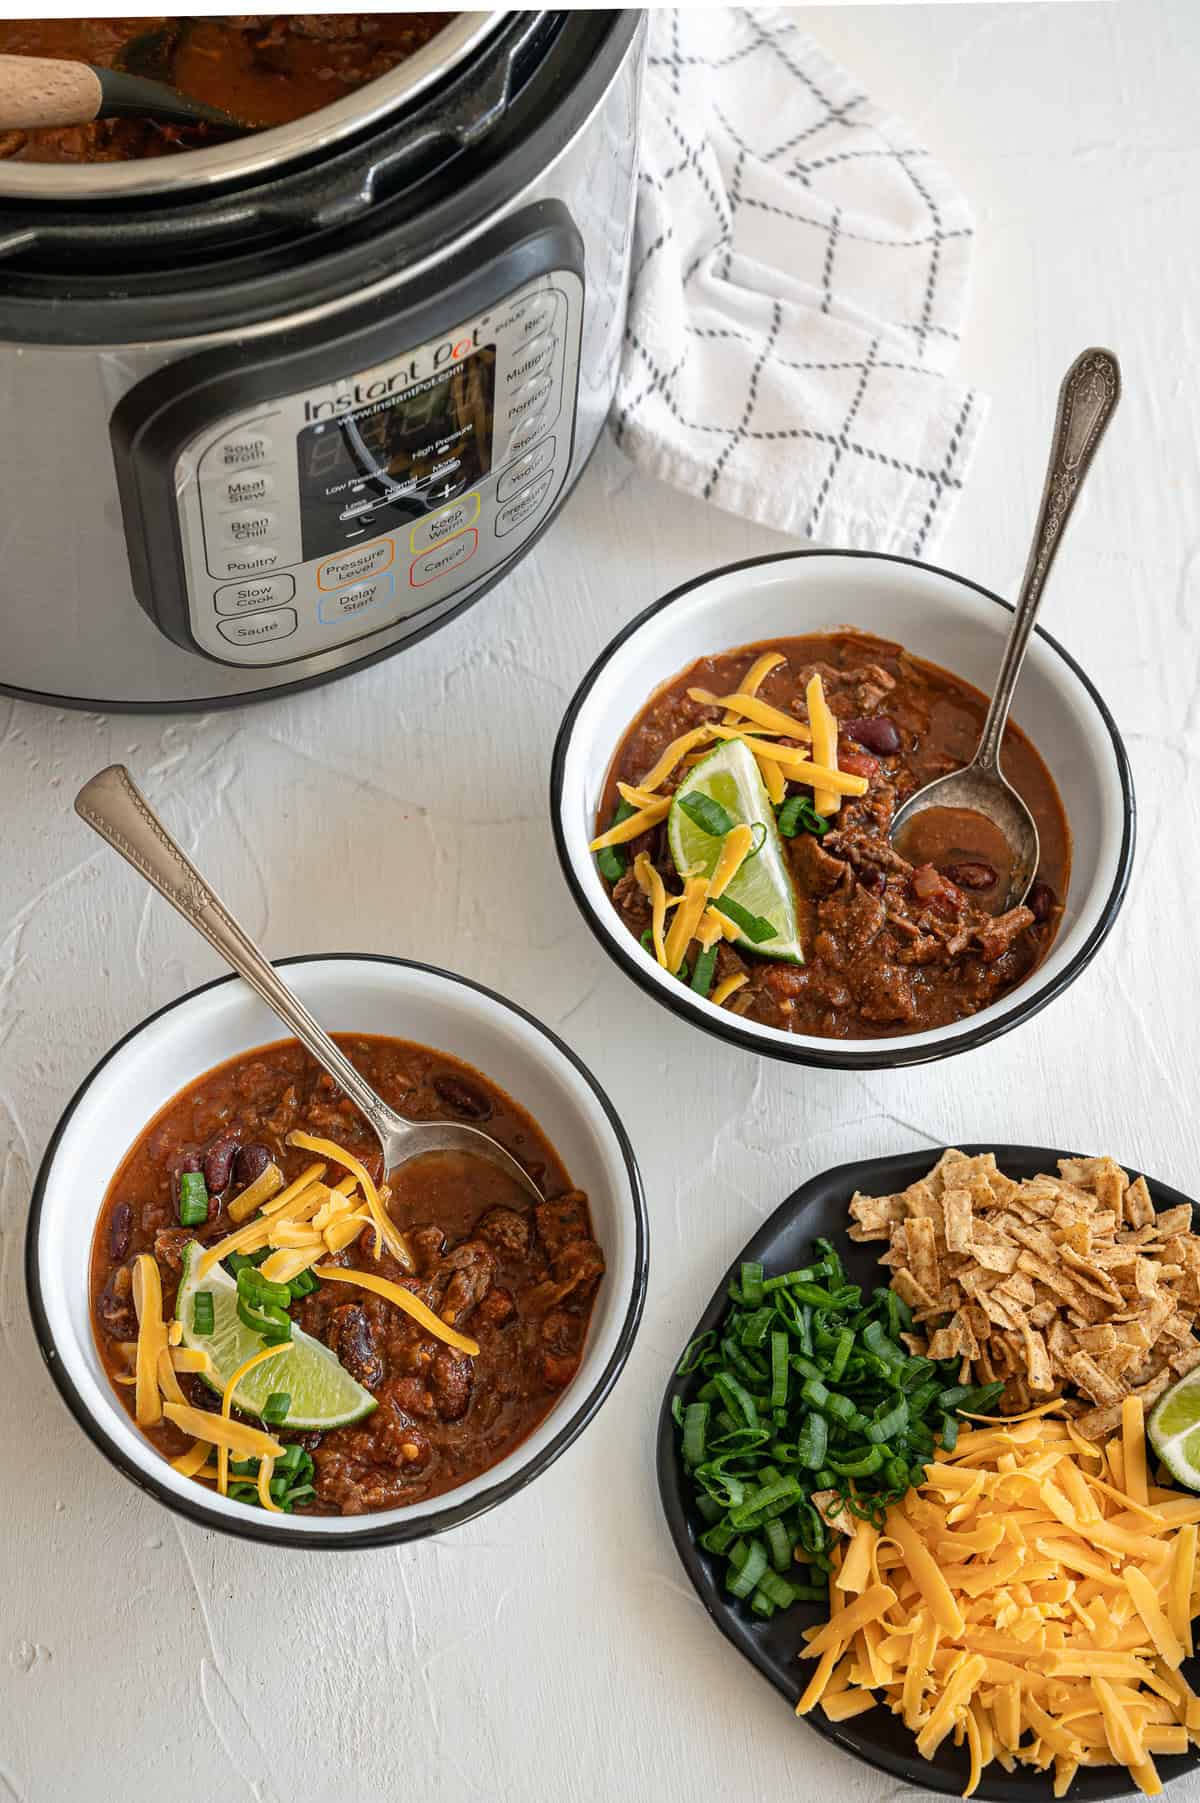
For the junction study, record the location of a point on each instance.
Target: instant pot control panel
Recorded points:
(314, 512)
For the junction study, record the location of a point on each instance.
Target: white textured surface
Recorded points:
(553, 1648)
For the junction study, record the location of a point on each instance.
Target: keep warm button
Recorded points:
(443, 558)
(519, 510)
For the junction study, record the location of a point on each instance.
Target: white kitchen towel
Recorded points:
(799, 281)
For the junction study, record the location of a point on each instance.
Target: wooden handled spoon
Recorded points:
(39, 91)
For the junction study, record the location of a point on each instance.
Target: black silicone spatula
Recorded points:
(38, 91)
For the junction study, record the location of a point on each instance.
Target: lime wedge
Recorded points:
(1174, 1430)
(763, 885)
(323, 1393)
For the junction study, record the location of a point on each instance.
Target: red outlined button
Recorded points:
(444, 558)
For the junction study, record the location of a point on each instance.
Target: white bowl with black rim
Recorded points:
(348, 993)
(941, 617)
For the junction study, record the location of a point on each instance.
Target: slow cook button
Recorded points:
(437, 527)
(254, 629)
(443, 558)
(529, 400)
(356, 566)
(347, 602)
(518, 511)
(244, 560)
(529, 466)
(244, 597)
(530, 360)
(238, 451)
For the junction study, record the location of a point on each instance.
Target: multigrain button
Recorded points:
(238, 451)
(437, 527)
(255, 629)
(356, 566)
(244, 597)
(519, 474)
(248, 528)
(529, 400)
(244, 560)
(443, 559)
(530, 360)
(526, 503)
(345, 603)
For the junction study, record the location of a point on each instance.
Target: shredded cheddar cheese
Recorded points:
(235, 1436)
(193, 1461)
(759, 670)
(151, 1340)
(761, 713)
(635, 826)
(678, 748)
(773, 780)
(266, 1185)
(1024, 1604)
(824, 743)
(797, 764)
(412, 1305)
(687, 917)
(724, 990)
(652, 887)
(736, 847)
(385, 1229)
(227, 1396)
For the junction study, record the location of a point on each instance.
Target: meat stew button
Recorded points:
(526, 503)
(252, 629)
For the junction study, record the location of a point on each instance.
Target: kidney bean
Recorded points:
(1041, 901)
(250, 1163)
(972, 873)
(874, 881)
(218, 1162)
(120, 1227)
(879, 734)
(463, 1097)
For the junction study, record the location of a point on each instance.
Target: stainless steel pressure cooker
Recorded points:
(274, 409)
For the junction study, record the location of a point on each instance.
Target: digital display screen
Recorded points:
(402, 455)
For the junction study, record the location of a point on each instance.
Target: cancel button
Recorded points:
(444, 558)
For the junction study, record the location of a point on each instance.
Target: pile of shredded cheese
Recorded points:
(1033, 1598)
(746, 718)
(302, 1224)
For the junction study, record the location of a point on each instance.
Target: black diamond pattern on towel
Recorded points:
(800, 279)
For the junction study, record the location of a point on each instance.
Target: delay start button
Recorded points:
(356, 566)
(254, 629)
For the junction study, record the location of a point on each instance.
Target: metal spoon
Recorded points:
(114, 806)
(1087, 401)
(45, 91)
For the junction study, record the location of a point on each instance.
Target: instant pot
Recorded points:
(274, 409)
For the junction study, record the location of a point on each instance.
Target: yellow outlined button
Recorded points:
(446, 523)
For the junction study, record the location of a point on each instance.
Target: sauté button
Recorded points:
(435, 528)
(244, 597)
(526, 503)
(255, 629)
(521, 473)
(344, 603)
(356, 566)
(443, 558)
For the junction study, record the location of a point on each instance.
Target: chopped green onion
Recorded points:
(611, 860)
(276, 1408)
(256, 1290)
(756, 929)
(202, 1312)
(702, 976)
(270, 1322)
(752, 1285)
(193, 1199)
(237, 1261)
(779, 1543)
(707, 814)
(695, 1425)
(779, 1370)
(743, 1577)
(797, 814)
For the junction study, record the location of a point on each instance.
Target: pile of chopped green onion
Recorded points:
(291, 1480)
(804, 1390)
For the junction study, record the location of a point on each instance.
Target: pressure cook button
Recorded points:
(443, 558)
(357, 565)
(519, 474)
(241, 491)
(254, 629)
(437, 527)
(530, 400)
(526, 503)
(248, 528)
(263, 591)
(530, 360)
(239, 451)
(345, 603)
(244, 560)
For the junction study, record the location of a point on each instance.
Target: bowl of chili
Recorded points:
(871, 961)
(214, 1057)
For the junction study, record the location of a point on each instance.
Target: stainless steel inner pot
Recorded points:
(263, 151)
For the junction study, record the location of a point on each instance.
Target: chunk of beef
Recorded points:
(428, 1244)
(630, 903)
(997, 936)
(450, 1381)
(114, 1307)
(473, 1267)
(854, 915)
(497, 1308)
(728, 963)
(506, 1230)
(886, 996)
(168, 1247)
(815, 871)
(351, 1338)
(561, 1332)
(578, 1268)
(866, 850)
(562, 1220)
(462, 1097)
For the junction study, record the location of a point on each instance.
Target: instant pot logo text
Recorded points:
(422, 367)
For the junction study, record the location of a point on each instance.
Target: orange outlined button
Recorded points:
(356, 565)
(444, 558)
(437, 527)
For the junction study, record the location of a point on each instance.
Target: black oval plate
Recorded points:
(818, 1210)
